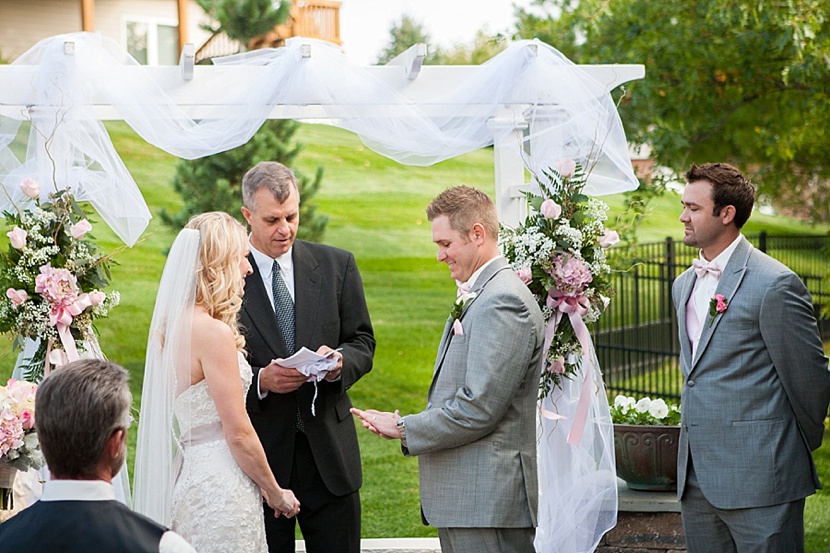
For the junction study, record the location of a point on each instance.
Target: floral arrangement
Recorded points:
(52, 274)
(646, 411)
(559, 252)
(460, 303)
(19, 446)
(717, 306)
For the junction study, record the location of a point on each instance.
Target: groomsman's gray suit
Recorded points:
(476, 441)
(756, 393)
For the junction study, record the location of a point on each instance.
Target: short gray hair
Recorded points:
(77, 408)
(274, 176)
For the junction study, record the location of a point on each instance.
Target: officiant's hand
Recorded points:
(334, 374)
(281, 380)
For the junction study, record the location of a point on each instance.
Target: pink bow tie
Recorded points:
(703, 267)
(463, 288)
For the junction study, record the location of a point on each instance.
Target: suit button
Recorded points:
(690, 383)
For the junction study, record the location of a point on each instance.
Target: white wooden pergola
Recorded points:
(191, 87)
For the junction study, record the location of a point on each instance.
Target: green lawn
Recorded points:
(376, 209)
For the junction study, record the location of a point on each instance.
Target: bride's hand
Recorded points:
(284, 504)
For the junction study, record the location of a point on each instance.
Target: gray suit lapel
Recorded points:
(728, 286)
(687, 284)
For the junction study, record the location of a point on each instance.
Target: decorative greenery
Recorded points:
(52, 274)
(646, 411)
(559, 252)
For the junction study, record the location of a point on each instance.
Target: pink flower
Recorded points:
(17, 297)
(570, 274)
(58, 286)
(565, 168)
(525, 274)
(27, 419)
(96, 297)
(17, 237)
(609, 239)
(457, 329)
(550, 209)
(30, 187)
(558, 366)
(79, 229)
(717, 306)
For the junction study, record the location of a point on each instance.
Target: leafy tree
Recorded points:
(213, 183)
(480, 50)
(402, 36)
(243, 20)
(740, 81)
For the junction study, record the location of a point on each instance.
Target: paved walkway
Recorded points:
(393, 545)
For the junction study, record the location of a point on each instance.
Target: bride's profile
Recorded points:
(200, 468)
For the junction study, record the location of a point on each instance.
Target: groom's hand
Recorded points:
(280, 380)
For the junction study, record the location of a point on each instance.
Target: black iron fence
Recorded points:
(636, 339)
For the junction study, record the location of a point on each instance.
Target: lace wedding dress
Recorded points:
(216, 507)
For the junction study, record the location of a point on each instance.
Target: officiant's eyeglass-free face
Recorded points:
(273, 224)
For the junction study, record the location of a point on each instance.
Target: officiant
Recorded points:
(309, 295)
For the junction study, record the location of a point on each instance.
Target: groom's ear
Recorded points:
(478, 233)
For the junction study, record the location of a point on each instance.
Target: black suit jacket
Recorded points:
(330, 308)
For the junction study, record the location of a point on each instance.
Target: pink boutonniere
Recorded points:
(717, 306)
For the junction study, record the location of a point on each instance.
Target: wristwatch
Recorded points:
(402, 431)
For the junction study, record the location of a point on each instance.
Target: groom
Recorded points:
(476, 440)
(304, 294)
(756, 387)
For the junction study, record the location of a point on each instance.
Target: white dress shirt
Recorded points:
(98, 490)
(265, 265)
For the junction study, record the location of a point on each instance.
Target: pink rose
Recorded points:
(27, 418)
(720, 303)
(609, 239)
(550, 209)
(96, 297)
(558, 366)
(17, 296)
(525, 274)
(17, 237)
(30, 187)
(79, 229)
(565, 168)
(58, 286)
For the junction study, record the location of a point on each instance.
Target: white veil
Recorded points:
(167, 366)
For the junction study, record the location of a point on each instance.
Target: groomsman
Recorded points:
(82, 417)
(476, 440)
(304, 294)
(757, 385)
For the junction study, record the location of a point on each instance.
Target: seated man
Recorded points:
(82, 412)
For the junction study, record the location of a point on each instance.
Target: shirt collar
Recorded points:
(265, 262)
(723, 258)
(77, 490)
(472, 280)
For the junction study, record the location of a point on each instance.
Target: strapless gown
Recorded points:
(216, 507)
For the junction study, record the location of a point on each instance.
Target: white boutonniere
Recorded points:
(460, 303)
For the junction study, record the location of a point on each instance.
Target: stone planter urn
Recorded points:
(646, 456)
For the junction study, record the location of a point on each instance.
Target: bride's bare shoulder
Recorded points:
(208, 332)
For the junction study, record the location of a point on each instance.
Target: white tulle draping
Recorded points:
(577, 483)
(564, 112)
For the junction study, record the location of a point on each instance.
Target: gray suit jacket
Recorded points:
(476, 441)
(756, 394)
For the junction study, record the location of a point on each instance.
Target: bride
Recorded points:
(200, 467)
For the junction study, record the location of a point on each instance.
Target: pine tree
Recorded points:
(213, 183)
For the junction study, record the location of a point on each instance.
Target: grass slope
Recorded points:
(376, 210)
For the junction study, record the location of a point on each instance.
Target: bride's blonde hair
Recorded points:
(219, 284)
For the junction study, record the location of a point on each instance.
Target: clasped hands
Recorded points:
(283, 380)
(382, 423)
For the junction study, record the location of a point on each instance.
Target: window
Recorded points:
(151, 41)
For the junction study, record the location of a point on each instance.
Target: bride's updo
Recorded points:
(219, 284)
